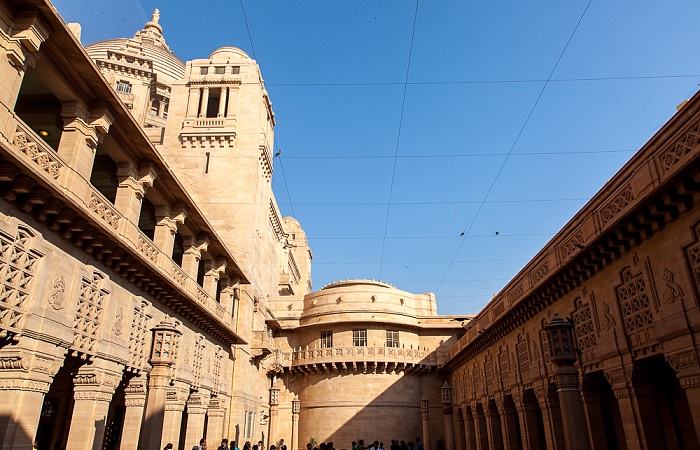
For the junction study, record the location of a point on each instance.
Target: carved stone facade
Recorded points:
(603, 339)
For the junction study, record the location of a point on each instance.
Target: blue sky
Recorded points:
(505, 119)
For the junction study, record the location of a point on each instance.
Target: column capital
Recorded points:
(101, 117)
(93, 382)
(30, 29)
(135, 391)
(198, 402)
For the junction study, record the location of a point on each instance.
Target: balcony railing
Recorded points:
(358, 354)
(38, 151)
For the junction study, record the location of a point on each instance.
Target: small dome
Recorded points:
(225, 53)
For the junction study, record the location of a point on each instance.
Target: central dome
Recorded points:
(225, 53)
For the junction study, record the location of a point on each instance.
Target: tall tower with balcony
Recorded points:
(219, 142)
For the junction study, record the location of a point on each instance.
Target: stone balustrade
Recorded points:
(361, 358)
(40, 158)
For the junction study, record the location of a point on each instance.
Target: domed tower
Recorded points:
(219, 142)
(142, 70)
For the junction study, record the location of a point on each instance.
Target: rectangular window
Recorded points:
(123, 86)
(219, 70)
(359, 338)
(392, 338)
(326, 339)
(236, 70)
(249, 424)
(203, 70)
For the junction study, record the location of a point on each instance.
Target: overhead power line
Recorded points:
(467, 82)
(515, 142)
(398, 136)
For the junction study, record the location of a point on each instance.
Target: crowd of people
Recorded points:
(356, 445)
(226, 445)
(376, 445)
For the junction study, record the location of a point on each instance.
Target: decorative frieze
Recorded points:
(617, 204)
(678, 151)
(683, 360)
(575, 242)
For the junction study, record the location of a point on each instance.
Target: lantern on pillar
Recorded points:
(166, 339)
(295, 405)
(274, 396)
(424, 405)
(560, 336)
(446, 395)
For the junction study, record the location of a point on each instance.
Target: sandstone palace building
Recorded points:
(152, 293)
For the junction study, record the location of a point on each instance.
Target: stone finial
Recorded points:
(156, 16)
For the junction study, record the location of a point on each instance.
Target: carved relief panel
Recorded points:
(88, 315)
(637, 305)
(18, 261)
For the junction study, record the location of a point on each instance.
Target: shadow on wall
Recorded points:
(13, 435)
(365, 402)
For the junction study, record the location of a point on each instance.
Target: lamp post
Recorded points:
(424, 410)
(562, 350)
(446, 391)
(295, 423)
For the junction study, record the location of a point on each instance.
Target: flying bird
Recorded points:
(279, 152)
(462, 233)
(496, 233)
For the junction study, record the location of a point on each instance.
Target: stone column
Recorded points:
(634, 391)
(469, 433)
(166, 336)
(685, 364)
(295, 423)
(205, 102)
(528, 423)
(215, 422)
(135, 393)
(274, 412)
(562, 345)
(222, 109)
(213, 271)
(551, 418)
(493, 427)
(196, 410)
(591, 398)
(482, 440)
(29, 31)
(193, 102)
(167, 221)
(227, 295)
(78, 139)
(133, 185)
(193, 255)
(457, 427)
(175, 400)
(25, 378)
(509, 424)
(446, 392)
(94, 386)
(425, 421)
